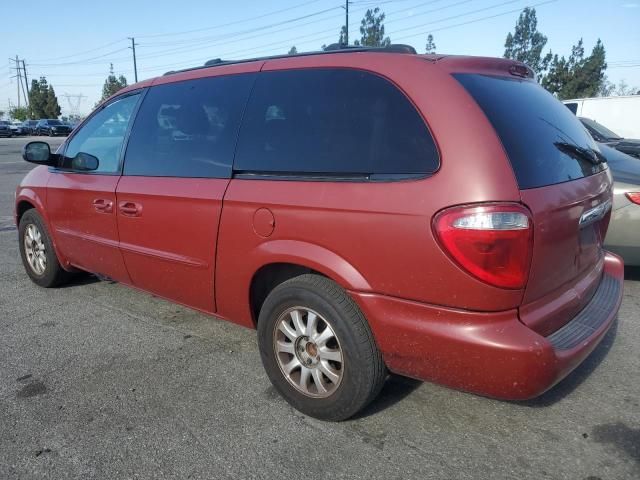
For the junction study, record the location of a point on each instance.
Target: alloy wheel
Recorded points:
(35, 249)
(308, 352)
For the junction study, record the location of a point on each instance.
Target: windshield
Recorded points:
(54, 122)
(600, 129)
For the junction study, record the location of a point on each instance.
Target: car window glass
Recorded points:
(332, 121)
(600, 129)
(189, 128)
(102, 136)
(545, 142)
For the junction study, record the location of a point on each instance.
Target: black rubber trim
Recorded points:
(590, 318)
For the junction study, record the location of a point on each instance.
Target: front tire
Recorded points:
(36, 249)
(318, 350)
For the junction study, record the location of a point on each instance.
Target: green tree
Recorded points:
(19, 113)
(372, 30)
(526, 43)
(342, 39)
(578, 76)
(38, 94)
(293, 50)
(623, 88)
(52, 107)
(112, 84)
(431, 46)
(607, 88)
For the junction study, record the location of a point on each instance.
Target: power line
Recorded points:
(80, 53)
(477, 19)
(91, 60)
(452, 17)
(76, 62)
(280, 42)
(237, 22)
(226, 42)
(315, 37)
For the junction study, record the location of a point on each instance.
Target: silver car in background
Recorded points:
(623, 237)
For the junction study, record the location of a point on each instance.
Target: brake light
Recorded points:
(633, 197)
(492, 242)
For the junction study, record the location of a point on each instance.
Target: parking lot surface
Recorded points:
(100, 381)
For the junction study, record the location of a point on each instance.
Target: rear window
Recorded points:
(332, 122)
(544, 141)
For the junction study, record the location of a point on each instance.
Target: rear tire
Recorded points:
(38, 256)
(312, 329)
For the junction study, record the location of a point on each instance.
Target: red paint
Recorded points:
(168, 233)
(492, 354)
(566, 258)
(200, 242)
(87, 237)
(263, 222)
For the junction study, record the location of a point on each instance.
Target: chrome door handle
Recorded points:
(130, 209)
(103, 206)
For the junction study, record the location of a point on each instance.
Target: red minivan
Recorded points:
(366, 210)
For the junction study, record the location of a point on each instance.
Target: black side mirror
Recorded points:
(40, 153)
(84, 162)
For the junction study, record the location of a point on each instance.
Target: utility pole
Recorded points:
(17, 76)
(346, 22)
(135, 68)
(24, 95)
(74, 102)
(26, 80)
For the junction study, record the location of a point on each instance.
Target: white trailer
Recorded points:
(620, 114)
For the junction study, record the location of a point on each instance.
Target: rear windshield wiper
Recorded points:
(588, 154)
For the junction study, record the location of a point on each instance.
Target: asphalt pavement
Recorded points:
(100, 381)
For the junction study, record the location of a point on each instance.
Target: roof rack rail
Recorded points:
(330, 49)
(391, 48)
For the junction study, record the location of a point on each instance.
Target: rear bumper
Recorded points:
(492, 354)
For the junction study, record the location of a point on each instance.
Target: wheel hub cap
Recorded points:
(308, 352)
(34, 249)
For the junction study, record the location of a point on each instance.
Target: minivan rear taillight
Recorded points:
(493, 242)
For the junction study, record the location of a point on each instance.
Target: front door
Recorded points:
(81, 203)
(177, 168)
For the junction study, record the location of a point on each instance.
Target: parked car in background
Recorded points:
(622, 114)
(623, 236)
(358, 220)
(29, 126)
(5, 129)
(602, 134)
(16, 128)
(52, 127)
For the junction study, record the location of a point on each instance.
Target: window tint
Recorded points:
(188, 129)
(573, 107)
(102, 136)
(332, 121)
(544, 141)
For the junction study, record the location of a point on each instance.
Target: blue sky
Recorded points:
(73, 42)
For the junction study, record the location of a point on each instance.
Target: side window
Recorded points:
(188, 128)
(332, 121)
(573, 107)
(102, 136)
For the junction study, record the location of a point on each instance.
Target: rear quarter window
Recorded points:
(540, 135)
(332, 122)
